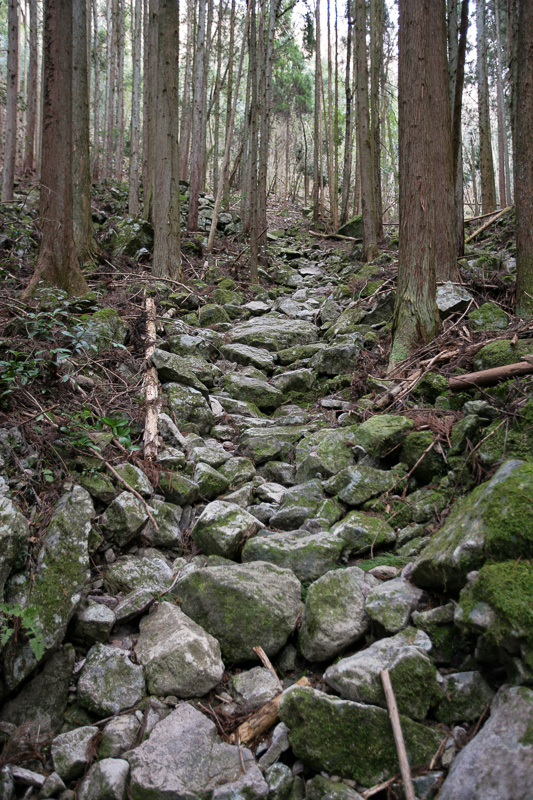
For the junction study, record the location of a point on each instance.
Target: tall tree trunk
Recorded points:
(205, 115)
(133, 200)
(229, 95)
(32, 91)
(254, 130)
(366, 165)
(502, 131)
(348, 131)
(486, 164)
(317, 142)
(57, 263)
(264, 123)
(81, 167)
(523, 189)
(218, 80)
(333, 199)
(198, 106)
(376, 66)
(474, 177)
(186, 111)
(457, 49)
(95, 169)
(416, 319)
(441, 131)
(166, 202)
(10, 147)
(119, 157)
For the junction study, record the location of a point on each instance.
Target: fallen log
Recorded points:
(487, 224)
(151, 385)
(262, 720)
(334, 236)
(490, 377)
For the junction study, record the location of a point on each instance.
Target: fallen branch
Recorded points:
(268, 664)
(334, 236)
(405, 769)
(487, 224)
(490, 377)
(481, 216)
(262, 720)
(151, 385)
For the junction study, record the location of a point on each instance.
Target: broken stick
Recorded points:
(151, 384)
(262, 720)
(490, 377)
(405, 769)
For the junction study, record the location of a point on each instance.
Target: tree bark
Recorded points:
(503, 157)
(254, 129)
(317, 143)
(348, 131)
(31, 119)
(57, 263)
(95, 168)
(523, 189)
(186, 111)
(376, 66)
(166, 208)
(416, 319)
(119, 157)
(457, 77)
(10, 146)
(198, 105)
(133, 200)
(366, 164)
(486, 164)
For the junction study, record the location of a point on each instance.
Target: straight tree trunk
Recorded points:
(31, 118)
(441, 131)
(254, 130)
(486, 164)
(457, 49)
(523, 189)
(57, 263)
(317, 142)
(81, 166)
(348, 132)
(416, 319)
(205, 81)
(134, 207)
(229, 95)
(376, 67)
(474, 177)
(95, 169)
(264, 124)
(218, 80)
(503, 156)
(10, 146)
(166, 202)
(119, 157)
(186, 111)
(333, 199)
(198, 106)
(366, 164)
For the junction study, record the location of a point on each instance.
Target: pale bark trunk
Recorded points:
(503, 156)
(333, 200)
(457, 49)
(348, 131)
(133, 201)
(264, 122)
(186, 111)
(10, 146)
(474, 177)
(218, 79)
(198, 105)
(119, 158)
(57, 263)
(96, 102)
(317, 143)
(488, 186)
(31, 118)
(376, 66)
(205, 80)
(150, 89)
(254, 129)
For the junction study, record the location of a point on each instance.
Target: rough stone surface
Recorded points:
(392, 604)
(109, 682)
(118, 736)
(465, 696)
(498, 763)
(222, 528)
(243, 605)
(184, 757)
(360, 532)
(71, 751)
(124, 519)
(179, 657)
(14, 534)
(308, 555)
(189, 405)
(412, 674)
(254, 688)
(273, 332)
(106, 780)
(131, 572)
(381, 434)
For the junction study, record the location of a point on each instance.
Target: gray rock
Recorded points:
(7, 784)
(497, 764)
(168, 517)
(124, 519)
(334, 615)
(179, 657)
(43, 701)
(337, 359)
(413, 676)
(452, 298)
(270, 492)
(136, 602)
(109, 682)
(254, 688)
(172, 368)
(280, 779)
(279, 744)
(212, 456)
(253, 390)
(211, 483)
(131, 572)
(222, 528)
(185, 758)
(324, 453)
(361, 532)
(118, 736)
(106, 780)
(189, 405)
(104, 329)
(382, 434)
(321, 788)
(465, 696)
(14, 535)
(273, 332)
(242, 605)
(392, 603)
(93, 624)
(355, 485)
(308, 555)
(296, 380)
(71, 752)
(249, 356)
(135, 478)
(52, 786)
(178, 488)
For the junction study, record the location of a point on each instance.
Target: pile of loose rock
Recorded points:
(279, 520)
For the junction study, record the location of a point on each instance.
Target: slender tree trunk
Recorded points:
(264, 124)
(81, 166)
(216, 122)
(488, 186)
(254, 130)
(317, 142)
(133, 201)
(474, 177)
(333, 200)
(416, 319)
(166, 208)
(457, 50)
(10, 147)
(57, 263)
(32, 91)
(204, 117)
(198, 105)
(95, 170)
(366, 166)
(186, 111)
(441, 131)
(376, 66)
(348, 132)
(524, 161)
(502, 131)
(119, 159)
(245, 154)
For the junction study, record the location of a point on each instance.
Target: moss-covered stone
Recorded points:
(430, 386)
(222, 528)
(133, 234)
(415, 447)
(500, 353)
(363, 532)
(210, 482)
(350, 739)
(308, 555)
(382, 435)
(509, 440)
(325, 452)
(103, 329)
(189, 405)
(253, 390)
(489, 316)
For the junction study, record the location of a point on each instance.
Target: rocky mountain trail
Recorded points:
(302, 500)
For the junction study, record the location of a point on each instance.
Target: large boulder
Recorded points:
(243, 606)
(392, 603)
(493, 522)
(104, 329)
(308, 555)
(324, 453)
(361, 532)
(413, 676)
(14, 535)
(253, 390)
(273, 332)
(179, 657)
(334, 615)
(172, 368)
(185, 758)
(222, 528)
(497, 764)
(109, 682)
(356, 485)
(350, 739)
(381, 435)
(124, 519)
(189, 405)
(132, 572)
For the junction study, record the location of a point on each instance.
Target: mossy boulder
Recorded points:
(362, 532)
(178, 488)
(109, 681)
(355, 485)
(391, 604)
(253, 390)
(175, 369)
(353, 228)
(308, 555)
(324, 453)
(103, 330)
(412, 673)
(489, 316)
(350, 739)
(430, 386)
(124, 519)
(416, 449)
(212, 314)
(498, 604)
(273, 332)
(500, 353)
(131, 572)
(465, 696)
(211, 483)
(249, 356)
(133, 234)
(265, 444)
(381, 435)
(222, 528)
(337, 359)
(348, 323)
(242, 605)
(189, 405)
(492, 523)
(14, 536)
(509, 441)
